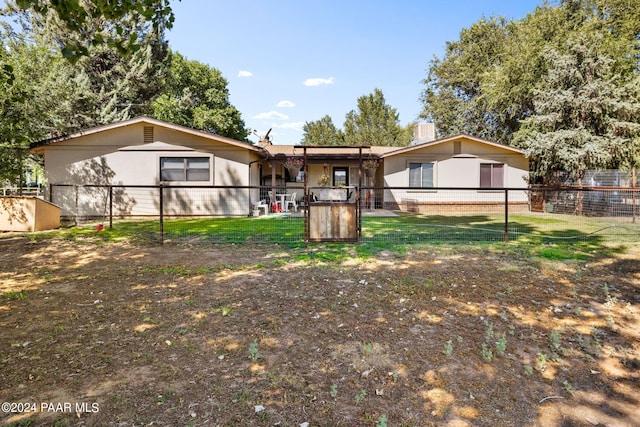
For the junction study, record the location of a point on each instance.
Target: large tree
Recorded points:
(78, 17)
(485, 82)
(374, 123)
(44, 95)
(587, 115)
(196, 96)
(453, 95)
(322, 132)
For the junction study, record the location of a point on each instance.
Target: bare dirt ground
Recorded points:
(116, 334)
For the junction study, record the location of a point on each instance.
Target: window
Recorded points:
(491, 175)
(185, 169)
(340, 176)
(421, 175)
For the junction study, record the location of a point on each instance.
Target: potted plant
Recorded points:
(293, 165)
(324, 180)
(370, 166)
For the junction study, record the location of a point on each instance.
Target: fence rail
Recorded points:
(400, 214)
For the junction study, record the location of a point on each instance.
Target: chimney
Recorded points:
(424, 132)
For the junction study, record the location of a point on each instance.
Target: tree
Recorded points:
(322, 132)
(485, 83)
(79, 16)
(375, 123)
(43, 95)
(453, 97)
(587, 115)
(196, 96)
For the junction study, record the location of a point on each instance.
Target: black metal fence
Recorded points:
(246, 214)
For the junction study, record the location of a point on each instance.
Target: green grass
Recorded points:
(552, 237)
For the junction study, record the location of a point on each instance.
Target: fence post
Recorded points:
(161, 215)
(111, 207)
(76, 216)
(506, 215)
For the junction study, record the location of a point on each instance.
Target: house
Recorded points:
(135, 156)
(472, 168)
(138, 155)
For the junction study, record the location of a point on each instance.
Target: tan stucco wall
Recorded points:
(455, 171)
(28, 214)
(119, 156)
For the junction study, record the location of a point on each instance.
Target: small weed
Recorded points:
(504, 316)
(367, 348)
(487, 354)
(569, 388)
(226, 311)
(611, 300)
(542, 362)
(554, 340)
(501, 345)
(11, 295)
(448, 348)
(359, 397)
(334, 391)
(459, 339)
(382, 421)
(254, 355)
(488, 335)
(610, 322)
(242, 397)
(528, 370)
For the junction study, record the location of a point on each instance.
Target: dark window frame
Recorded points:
(185, 170)
(490, 173)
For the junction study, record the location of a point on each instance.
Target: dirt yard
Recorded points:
(114, 334)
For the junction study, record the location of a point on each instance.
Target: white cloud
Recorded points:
(318, 81)
(271, 115)
(285, 104)
(243, 73)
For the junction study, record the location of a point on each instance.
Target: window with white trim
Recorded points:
(185, 169)
(421, 175)
(491, 175)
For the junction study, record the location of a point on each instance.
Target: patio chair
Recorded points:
(291, 202)
(276, 206)
(262, 204)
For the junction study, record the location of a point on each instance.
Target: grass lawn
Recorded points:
(404, 228)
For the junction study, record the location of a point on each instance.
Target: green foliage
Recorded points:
(487, 354)
(374, 123)
(448, 348)
(322, 132)
(333, 392)
(587, 116)
(196, 96)
(562, 83)
(43, 95)
(254, 354)
(359, 397)
(79, 18)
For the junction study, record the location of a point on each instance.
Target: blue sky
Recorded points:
(294, 61)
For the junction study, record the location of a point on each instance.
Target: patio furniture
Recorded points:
(262, 204)
(276, 206)
(291, 202)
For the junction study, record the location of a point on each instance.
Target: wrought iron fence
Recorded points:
(251, 214)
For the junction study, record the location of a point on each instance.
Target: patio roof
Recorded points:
(326, 152)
